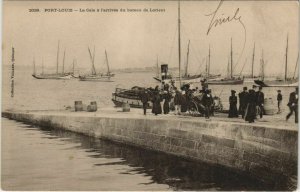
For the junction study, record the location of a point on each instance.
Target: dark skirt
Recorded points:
(233, 112)
(250, 112)
(156, 108)
(166, 107)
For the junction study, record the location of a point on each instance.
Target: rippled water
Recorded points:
(35, 158)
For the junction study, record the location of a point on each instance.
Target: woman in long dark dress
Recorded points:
(156, 109)
(233, 112)
(166, 106)
(250, 112)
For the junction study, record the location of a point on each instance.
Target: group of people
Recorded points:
(251, 104)
(161, 99)
(156, 96)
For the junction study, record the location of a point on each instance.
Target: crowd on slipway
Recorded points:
(187, 99)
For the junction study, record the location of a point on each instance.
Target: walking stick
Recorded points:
(246, 112)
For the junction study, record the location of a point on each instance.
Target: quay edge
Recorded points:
(265, 153)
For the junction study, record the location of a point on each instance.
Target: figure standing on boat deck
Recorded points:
(207, 102)
(260, 101)
(250, 112)
(145, 98)
(204, 85)
(177, 102)
(293, 105)
(279, 100)
(233, 112)
(243, 104)
(156, 109)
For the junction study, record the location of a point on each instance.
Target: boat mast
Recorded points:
(63, 67)
(208, 67)
(73, 66)
(108, 72)
(179, 46)
(92, 60)
(286, 57)
(228, 68)
(231, 60)
(157, 68)
(262, 62)
(296, 66)
(187, 60)
(252, 74)
(34, 66)
(42, 66)
(57, 57)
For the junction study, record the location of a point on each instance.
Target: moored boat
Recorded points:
(225, 81)
(52, 76)
(130, 96)
(57, 75)
(98, 77)
(280, 82)
(230, 80)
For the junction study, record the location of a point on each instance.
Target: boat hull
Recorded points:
(96, 78)
(226, 82)
(188, 79)
(57, 77)
(119, 100)
(277, 83)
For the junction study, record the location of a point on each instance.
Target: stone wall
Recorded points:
(267, 153)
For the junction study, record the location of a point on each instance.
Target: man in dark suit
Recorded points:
(207, 102)
(293, 105)
(243, 103)
(145, 98)
(260, 97)
(233, 112)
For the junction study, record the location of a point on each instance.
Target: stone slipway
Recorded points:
(266, 150)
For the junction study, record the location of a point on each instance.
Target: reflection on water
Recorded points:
(35, 158)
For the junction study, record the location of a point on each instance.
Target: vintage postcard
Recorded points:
(150, 95)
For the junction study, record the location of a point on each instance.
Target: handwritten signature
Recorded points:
(216, 21)
(219, 20)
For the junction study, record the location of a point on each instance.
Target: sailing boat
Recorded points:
(208, 75)
(250, 78)
(56, 75)
(286, 82)
(186, 77)
(73, 70)
(97, 76)
(231, 80)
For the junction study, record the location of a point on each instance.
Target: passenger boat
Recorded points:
(280, 82)
(100, 77)
(130, 96)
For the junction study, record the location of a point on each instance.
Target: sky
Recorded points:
(137, 39)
